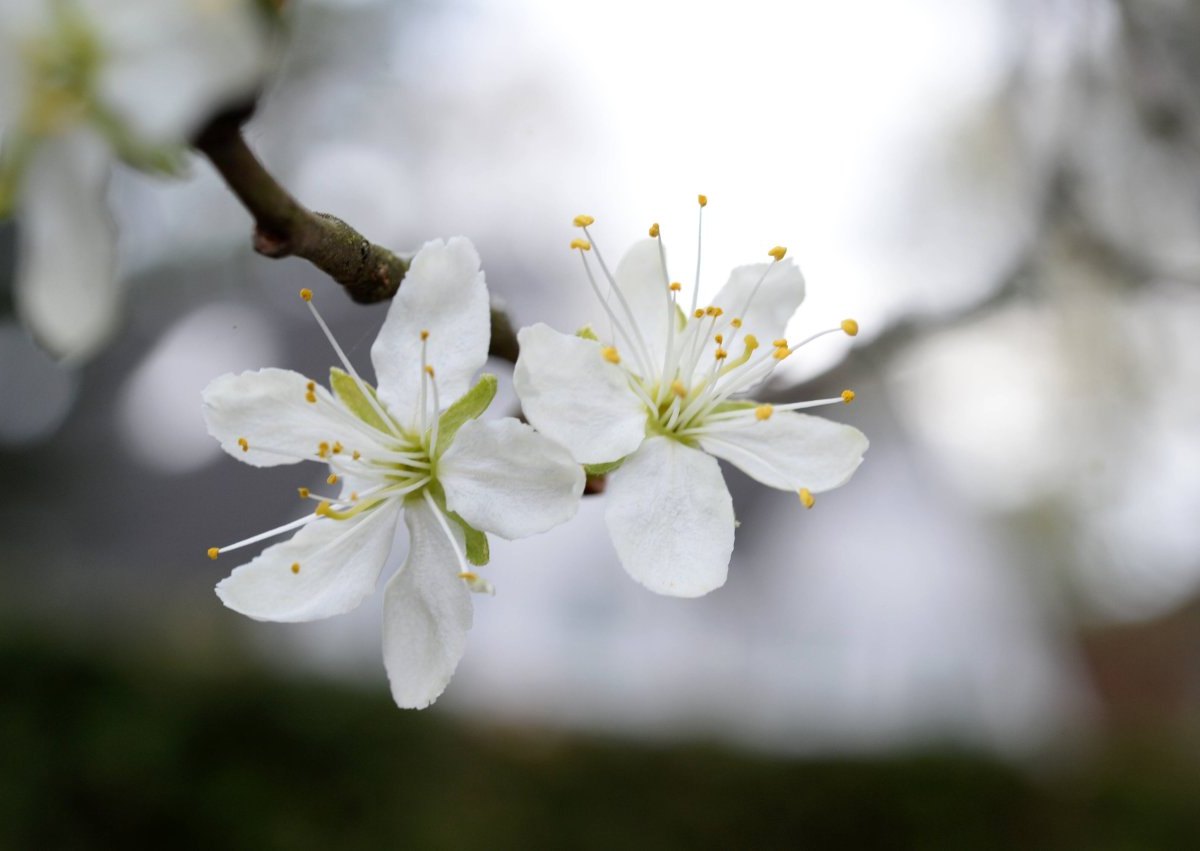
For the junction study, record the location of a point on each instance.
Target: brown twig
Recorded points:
(283, 227)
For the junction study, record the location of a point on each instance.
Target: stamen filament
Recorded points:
(441, 519)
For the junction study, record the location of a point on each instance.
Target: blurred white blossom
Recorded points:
(84, 83)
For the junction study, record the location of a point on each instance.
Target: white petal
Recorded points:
(67, 288)
(671, 519)
(773, 304)
(170, 65)
(791, 451)
(426, 612)
(339, 560)
(268, 409)
(501, 476)
(642, 281)
(574, 396)
(443, 293)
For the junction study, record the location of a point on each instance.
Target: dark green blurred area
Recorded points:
(126, 749)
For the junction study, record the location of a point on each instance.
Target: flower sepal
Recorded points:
(476, 546)
(469, 406)
(350, 394)
(605, 468)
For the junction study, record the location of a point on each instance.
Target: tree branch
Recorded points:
(283, 227)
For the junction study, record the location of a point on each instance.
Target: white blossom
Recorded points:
(84, 83)
(658, 401)
(398, 449)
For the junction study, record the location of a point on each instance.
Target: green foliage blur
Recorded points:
(136, 750)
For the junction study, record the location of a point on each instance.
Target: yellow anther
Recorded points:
(781, 342)
(678, 389)
(295, 567)
(581, 244)
(610, 354)
(306, 294)
(424, 336)
(582, 221)
(763, 412)
(654, 230)
(468, 576)
(735, 322)
(806, 498)
(355, 454)
(720, 354)
(332, 478)
(429, 370)
(703, 199)
(847, 396)
(676, 286)
(354, 496)
(310, 397)
(213, 552)
(777, 252)
(781, 353)
(245, 444)
(718, 311)
(751, 342)
(322, 449)
(337, 448)
(311, 386)
(322, 508)
(304, 492)
(850, 327)
(699, 313)
(719, 339)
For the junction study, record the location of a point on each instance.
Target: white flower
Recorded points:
(662, 396)
(82, 84)
(396, 449)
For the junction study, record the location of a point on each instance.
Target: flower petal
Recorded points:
(501, 476)
(671, 518)
(643, 282)
(426, 612)
(67, 289)
(443, 293)
(791, 451)
(269, 410)
(339, 560)
(169, 66)
(570, 393)
(767, 314)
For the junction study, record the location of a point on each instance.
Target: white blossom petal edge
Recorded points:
(663, 391)
(401, 449)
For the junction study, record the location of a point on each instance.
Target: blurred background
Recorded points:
(989, 638)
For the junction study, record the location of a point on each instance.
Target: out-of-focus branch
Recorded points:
(283, 227)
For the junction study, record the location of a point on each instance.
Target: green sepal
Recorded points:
(740, 405)
(351, 395)
(602, 469)
(477, 550)
(587, 333)
(473, 403)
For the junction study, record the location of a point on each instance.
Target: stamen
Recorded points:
(295, 567)
(703, 199)
(777, 252)
(322, 449)
(213, 552)
(847, 396)
(735, 322)
(332, 478)
(477, 583)
(349, 367)
(763, 412)
(356, 455)
(304, 492)
(720, 354)
(612, 317)
(581, 244)
(678, 389)
(780, 342)
(437, 513)
(806, 497)
(610, 354)
(654, 231)
(336, 448)
(437, 407)
(640, 349)
(850, 327)
(676, 286)
(242, 442)
(424, 336)
(582, 221)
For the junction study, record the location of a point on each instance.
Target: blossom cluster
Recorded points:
(652, 404)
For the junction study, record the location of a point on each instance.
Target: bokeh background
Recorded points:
(989, 638)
